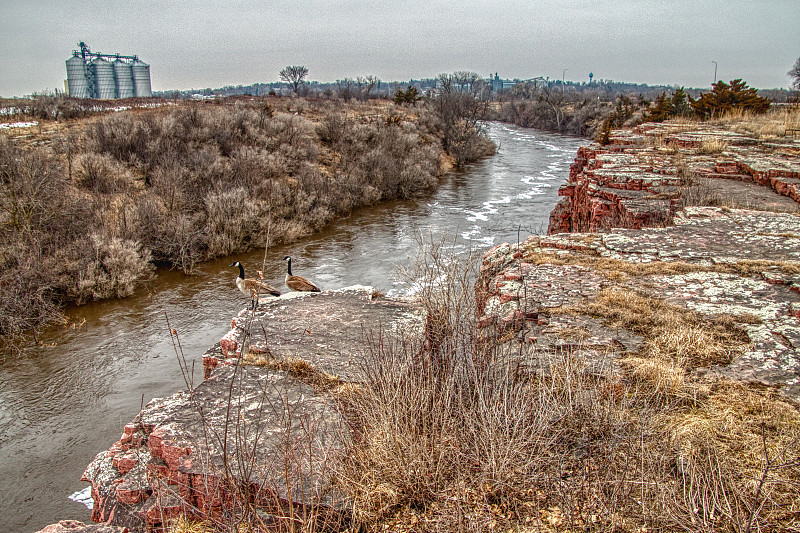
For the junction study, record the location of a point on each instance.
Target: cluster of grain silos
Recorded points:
(95, 75)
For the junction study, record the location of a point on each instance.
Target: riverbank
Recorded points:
(90, 206)
(651, 374)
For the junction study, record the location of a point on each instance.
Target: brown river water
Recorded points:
(64, 402)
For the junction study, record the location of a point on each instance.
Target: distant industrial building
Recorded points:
(95, 75)
(499, 84)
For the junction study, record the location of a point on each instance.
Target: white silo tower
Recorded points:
(77, 77)
(141, 78)
(123, 75)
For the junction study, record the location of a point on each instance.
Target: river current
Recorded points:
(62, 403)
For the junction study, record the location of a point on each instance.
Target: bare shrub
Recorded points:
(124, 137)
(27, 302)
(118, 266)
(39, 218)
(174, 239)
(32, 189)
(332, 129)
(230, 222)
(101, 174)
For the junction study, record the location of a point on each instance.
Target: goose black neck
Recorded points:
(241, 271)
(289, 266)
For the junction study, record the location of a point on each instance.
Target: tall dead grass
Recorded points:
(770, 125)
(449, 433)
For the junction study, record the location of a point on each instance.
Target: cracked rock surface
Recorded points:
(642, 177)
(745, 265)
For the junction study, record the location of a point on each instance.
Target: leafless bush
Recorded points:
(117, 267)
(39, 218)
(101, 174)
(230, 221)
(27, 302)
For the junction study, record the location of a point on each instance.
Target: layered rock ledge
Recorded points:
(191, 454)
(744, 265)
(642, 177)
(701, 218)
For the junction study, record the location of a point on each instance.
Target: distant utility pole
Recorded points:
(715, 71)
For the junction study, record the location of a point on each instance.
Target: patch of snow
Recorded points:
(9, 125)
(83, 496)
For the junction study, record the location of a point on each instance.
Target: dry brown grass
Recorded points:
(770, 125)
(185, 525)
(672, 334)
(712, 146)
(453, 437)
(618, 270)
(297, 367)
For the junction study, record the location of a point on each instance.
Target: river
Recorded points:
(64, 402)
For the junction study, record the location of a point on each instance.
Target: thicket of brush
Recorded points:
(452, 433)
(89, 215)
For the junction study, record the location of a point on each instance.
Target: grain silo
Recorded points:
(90, 75)
(78, 77)
(104, 85)
(141, 78)
(123, 75)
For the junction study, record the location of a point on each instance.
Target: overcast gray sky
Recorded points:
(212, 43)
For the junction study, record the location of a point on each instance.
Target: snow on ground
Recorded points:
(9, 125)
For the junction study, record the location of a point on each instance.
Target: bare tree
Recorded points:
(295, 76)
(556, 100)
(345, 88)
(794, 73)
(366, 85)
(460, 108)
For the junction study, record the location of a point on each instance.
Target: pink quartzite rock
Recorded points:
(634, 182)
(73, 526)
(525, 296)
(170, 459)
(321, 328)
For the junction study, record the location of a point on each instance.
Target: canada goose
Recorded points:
(252, 287)
(297, 283)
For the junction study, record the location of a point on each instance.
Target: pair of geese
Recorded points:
(253, 287)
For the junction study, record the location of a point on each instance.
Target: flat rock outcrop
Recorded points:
(642, 177)
(324, 329)
(205, 451)
(741, 264)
